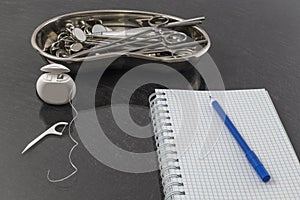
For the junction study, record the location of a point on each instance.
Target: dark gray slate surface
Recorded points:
(254, 44)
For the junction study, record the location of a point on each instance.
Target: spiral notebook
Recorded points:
(198, 157)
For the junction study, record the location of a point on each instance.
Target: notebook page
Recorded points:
(224, 173)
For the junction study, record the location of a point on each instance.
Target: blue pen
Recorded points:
(251, 156)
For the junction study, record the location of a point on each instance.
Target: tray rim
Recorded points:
(95, 57)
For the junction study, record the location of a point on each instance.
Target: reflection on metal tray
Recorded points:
(93, 35)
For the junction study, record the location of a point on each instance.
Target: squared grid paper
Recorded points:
(225, 173)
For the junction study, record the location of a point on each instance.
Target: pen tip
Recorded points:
(24, 150)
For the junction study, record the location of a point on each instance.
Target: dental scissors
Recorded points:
(161, 21)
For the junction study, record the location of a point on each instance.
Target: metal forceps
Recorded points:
(154, 37)
(175, 50)
(154, 22)
(50, 131)
(145, 37)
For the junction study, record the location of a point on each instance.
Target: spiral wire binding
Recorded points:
(168, 163)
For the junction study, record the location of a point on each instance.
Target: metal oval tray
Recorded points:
(115, 20)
